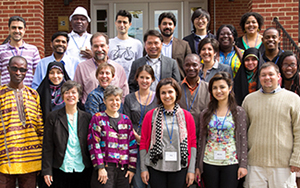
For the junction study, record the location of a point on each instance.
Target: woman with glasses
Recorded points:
(229, 53)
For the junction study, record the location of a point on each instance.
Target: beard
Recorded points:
(100, 55)
(167, 34)
(57, 51)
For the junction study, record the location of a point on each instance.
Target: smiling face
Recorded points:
(153, 46)
(71, 97)
(207, 53)
(144, 80)
(221, 90)
(168, 96)
(56, 76)
(251, 63)
(100, 48)
(122, 24)
(289, 66)
(226, 38)
(271, 39)
(112, 103)
(17, 70)
(17, 30)
(166, 27)
(200, 23)
(269, 79)
(105, 77)
(251, 25)
(79, 24)
(59, 44)
(192, 66)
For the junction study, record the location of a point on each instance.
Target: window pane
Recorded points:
(101, 15)
(136, 29)
(102, 27)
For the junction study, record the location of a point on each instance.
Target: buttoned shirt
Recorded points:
(69, 62)
(78, 42)
(167, 49)
(156, 66)
(28, 51)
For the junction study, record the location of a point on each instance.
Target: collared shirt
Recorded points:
(77, 42)
(192, 89)
(85, 75)
(73, 156)
(201, 73)
(156, 66)
(69, 62)
(275, 59)
(167, 49)
(94, 102)
(272, 92)
(28, 51)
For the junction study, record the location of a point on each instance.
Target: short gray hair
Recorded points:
(69, 85)
(112, 90)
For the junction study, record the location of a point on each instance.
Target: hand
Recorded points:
(48, 180)
(197, 175)
(145, 177)
(102, 175)
(295, 169)
(130, 175)
(189, 178)
(87, 53)
(137, 137)
(242, 172)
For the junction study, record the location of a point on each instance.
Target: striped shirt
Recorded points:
(21, 145)
(28, 51)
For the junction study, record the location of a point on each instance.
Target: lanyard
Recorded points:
(143, 107)
(76, 43)
(16, 52)
(154, 73)
(219, 130)
(247, 47)
(186, 101)
(272, 59)
(170, 135)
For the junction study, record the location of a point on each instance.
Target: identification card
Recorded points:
(219, 155)
(170, 156)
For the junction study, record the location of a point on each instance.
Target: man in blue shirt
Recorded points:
(59, 44)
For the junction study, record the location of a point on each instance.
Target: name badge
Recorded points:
(219, 155)
(170, 156)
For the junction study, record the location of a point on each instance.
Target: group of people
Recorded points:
(108, 113)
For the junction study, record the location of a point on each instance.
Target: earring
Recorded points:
(258, 30)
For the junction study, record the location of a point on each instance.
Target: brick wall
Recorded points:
(228, 12)
(55, 8)
(285, 10)
(33, 13)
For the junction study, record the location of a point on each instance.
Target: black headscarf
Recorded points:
(295, 86)
(240, 85)
(46, 88)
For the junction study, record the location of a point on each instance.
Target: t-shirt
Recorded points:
(125, 52)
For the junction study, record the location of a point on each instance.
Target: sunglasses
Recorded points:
(15, 69)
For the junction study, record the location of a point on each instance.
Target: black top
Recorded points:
(191, 40)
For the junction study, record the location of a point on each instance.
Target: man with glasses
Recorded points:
(17, 47)
(21, 129)
(79, 44)
(200, 20)
(124, 49)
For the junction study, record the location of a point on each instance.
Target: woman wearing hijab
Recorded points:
(246, 80)
(50, 88)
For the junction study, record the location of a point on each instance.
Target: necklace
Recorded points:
(248, 43)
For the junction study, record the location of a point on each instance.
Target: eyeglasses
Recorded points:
(15, 69)
(289, 65)
(203, 18)
(228, 34)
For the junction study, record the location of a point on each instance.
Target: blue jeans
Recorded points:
(137, 180)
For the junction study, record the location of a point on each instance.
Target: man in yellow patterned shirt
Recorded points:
(21, 129)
